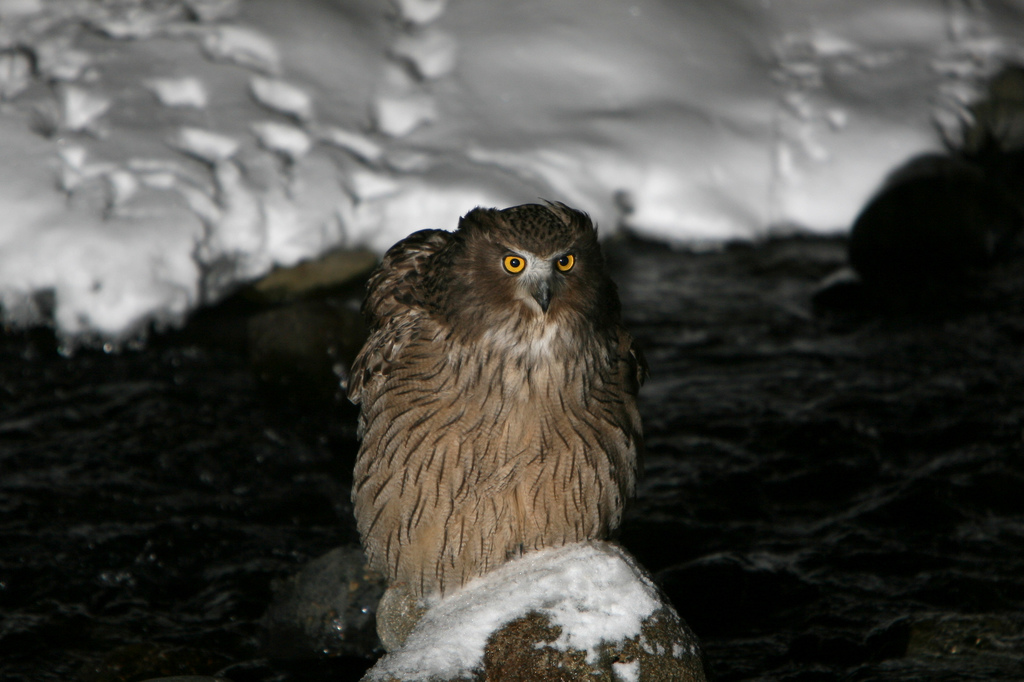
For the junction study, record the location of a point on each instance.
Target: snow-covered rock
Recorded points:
(580, 612)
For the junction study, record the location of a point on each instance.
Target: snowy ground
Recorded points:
(156, 153)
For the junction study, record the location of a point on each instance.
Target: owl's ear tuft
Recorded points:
(571, 217)
(479, 218)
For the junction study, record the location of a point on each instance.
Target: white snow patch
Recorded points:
(178, 92)
(123, 186)
(368, 185)
(243, 46)
(206, 145)
(234, 219)
(291, 142)
(592, 591)
(421, 11)
(627, 672)
(357, 143)
(679, 650)
(80, 108)
(110, 284)
(304, 216)
(431, 52)
(76, 173)
(399, 114)
(254, 230)
(404, 207)
(282, 97)
(73, 167)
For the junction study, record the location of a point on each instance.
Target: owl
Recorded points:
(497, 394)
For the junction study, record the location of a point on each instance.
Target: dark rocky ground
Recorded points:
(830, 494)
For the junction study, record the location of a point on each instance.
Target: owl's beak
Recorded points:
(542, 294)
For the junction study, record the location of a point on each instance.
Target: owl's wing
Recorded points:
(394, 305)
(396, 283)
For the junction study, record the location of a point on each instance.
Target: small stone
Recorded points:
(397, 615)
(326, 608)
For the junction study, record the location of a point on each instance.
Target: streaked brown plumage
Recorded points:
(498, 411)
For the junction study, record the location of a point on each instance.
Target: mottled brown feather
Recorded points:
(489, 427)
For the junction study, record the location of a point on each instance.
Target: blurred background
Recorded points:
(813, 212)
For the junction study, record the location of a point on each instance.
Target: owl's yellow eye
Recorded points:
(514, 264)
(566, 262)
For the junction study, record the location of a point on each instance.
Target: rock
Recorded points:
(586, 611)
(966, 635)
(307, 333)
(299, 325)
(308, 341)
(326, 608)
(397, 615)
(524, 650)
(937, 222)
(310, 277)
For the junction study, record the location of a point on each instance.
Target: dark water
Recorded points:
(828, 496)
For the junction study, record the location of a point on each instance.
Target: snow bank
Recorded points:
(152, 156)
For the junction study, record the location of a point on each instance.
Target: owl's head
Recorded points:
(533, 264)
